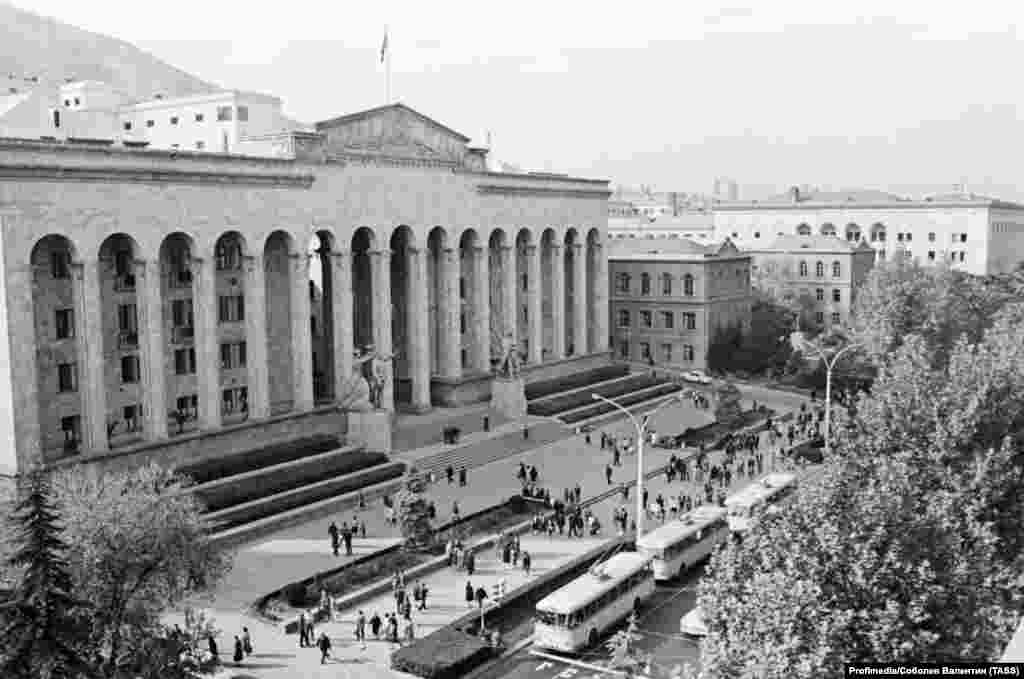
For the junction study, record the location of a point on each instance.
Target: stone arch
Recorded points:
(828, 229)
(803, 229)
(524, 242)
(437, 243)
(322, 287)
(176, 254)
(59, 328)
(852, 232)
(281, 274)
(364, 242)
(878, 233)
(403, 245)
(596, 287)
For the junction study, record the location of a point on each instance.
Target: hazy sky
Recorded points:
(882, 94)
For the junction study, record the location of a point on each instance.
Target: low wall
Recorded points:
(198, 446)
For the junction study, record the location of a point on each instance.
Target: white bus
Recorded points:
(769, 490)
(680, 544)
(576, 615)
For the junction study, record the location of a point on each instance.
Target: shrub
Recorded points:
(445, 654)
(567, 382)
(247, 461)
(297, 595)
(559, 404)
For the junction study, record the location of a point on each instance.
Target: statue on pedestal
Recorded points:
(510, 361)
(370, 370)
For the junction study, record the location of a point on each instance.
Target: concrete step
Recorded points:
(596, 404)
(642, 407)
(595, 385)
(481, 453)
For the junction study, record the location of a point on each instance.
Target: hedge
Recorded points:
(559, 404)
(346, 483)
(250, 460)
(624, 401)
(301, 473)
(445, 654)
(574, 381)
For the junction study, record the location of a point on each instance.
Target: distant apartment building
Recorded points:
(697, 226)
(825, 270)
(970, 233)
(219, 122)
(669, 297)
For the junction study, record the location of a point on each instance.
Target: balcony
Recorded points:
(124, 282)
(183, 334)
(128, 340)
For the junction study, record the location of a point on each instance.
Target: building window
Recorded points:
(77, 101)
(819, 294)
(60, 264)
(645, 319)
(645, 351)
(803, 269)
(819, 318)
(688, 353)
(67, 102)
(819, 269)
(624, 349)
(232, 355)
(623, 318)
(909, 237)
(667, 320)
(131, 415)
(666, 352)
(962, 253)
(231, 308)
(690, 320)
(185, 361)
(67, 377)
(881, 253)
(181, 313)
(71, 426)
(243, 114)
(963, 238)
(837, 295)
(645, 284)
(199, 117)
(188, 405)
(525, 282)
(666, 284)
(223, 113)
(462, 323)
(174, 120)
(129, 369)
(65, 323)
(234, 401)
(837, 270)
(229, 256)
(128, 125)
(803, 230)
(688, 285)
(757, 234)
(622, 282)
(127, 318)
(835, 318)
(150, 123)
(931, 236)
(462, 287)
(200, 145)
(931, 255)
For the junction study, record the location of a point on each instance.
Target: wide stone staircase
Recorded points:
(571, 399)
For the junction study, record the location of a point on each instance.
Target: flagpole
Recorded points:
(387, 69)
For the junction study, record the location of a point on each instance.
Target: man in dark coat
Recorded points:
(333, 532)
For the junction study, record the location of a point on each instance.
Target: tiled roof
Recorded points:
(667, 249)
(790, 242)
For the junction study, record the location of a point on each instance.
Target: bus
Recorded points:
(771, 489)
(682, 543)
(576, 615)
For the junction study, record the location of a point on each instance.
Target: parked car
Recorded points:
(692, 624)
(812, 451)
(696, 377)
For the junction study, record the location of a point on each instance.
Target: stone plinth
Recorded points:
(508, 396)
(372, 429)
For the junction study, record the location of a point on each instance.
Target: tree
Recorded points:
(141, 548)
(45, 629)
(623, 652)
(724, 345)
(413, 512)
(728, 409)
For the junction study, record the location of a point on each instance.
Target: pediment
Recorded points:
(393, 131)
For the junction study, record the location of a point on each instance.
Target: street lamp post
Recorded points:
(829, 364)
(641, 428)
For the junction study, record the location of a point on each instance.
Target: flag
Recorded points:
(384, 46)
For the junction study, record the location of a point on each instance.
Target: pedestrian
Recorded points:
(324, 644)
(362, 501)
(362, 527)
(303, 630)
(346, 536)
(239, 651)
(450, 473)
(334, 534)
(487, 423)
(481, 595)
(462, 477)
(470, 563)
(410, 630)
(423, 597)
(616, 457)
(375, 624)
(214, 652)
(469, 594)
(455, 509)
(587, 438)
(246, 641)
(361, 628)
(526, 562)
(526, 432)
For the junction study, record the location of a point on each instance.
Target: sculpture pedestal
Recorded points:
(508, 396)
(371, 428)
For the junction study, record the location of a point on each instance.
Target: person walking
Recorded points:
(361, 628)
(303, 630)
(334, 534)
(470, 563)
(423, 596)
(481, 596)
(410, 630)
(375, 624)
(526, 562)
(246, 641)
(462, 477)
(324, 644)
(346, 536)
(469, 594)
(239, 651)
(214, 651)
(455, 509)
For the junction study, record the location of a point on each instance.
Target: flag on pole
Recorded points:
(384, 46)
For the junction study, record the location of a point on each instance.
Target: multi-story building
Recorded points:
(971, 233)
(668, 298)
(823, 270)
(156, 305)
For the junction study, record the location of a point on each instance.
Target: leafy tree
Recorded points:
(728, 408)
(413, 512)
(724, 345)
(176, 653)
(141, 548)
(45, 633)
(621, 645)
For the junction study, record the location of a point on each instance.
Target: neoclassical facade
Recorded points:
(151, 296)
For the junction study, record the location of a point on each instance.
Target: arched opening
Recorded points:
(803, 230)
(548, 242)
(852, 232)
(469, 310)
(828, 229)
(278, 282)
(321, 308)
(402, 293)
(569, 304)
(524, 240)
(121, 349)
(179, 318)
(59, 362)
(502, 329)
(437, 242)
(878, 234)
(594, 312)
(364, 241)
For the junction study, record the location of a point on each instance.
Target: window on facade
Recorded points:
(232, 355)
(667, 320)
(963, 238)
(131, 416)
(77, 101)
(231, 308)
(835, 318)
(229, 256)
(65, 323)
(200, 145)
(199, 117)
(931, 236)
(688, 352)
(188, 405)
(837, 295)
(623, 318)
(184, 361)
(624, 349)
(525, 282)
(645, 319)
(150, 123)
(243, 114)
(819, 294)
(127, 318)
(688, 285)
(931, 255)
(234, 401)
(645, 284)
(223, 113)
(60, 264)
(803, 269)
(181, 313)
(837, 269)
(666, 353)
(819, 318)
(819, 269)
(174, 120)
(67, 377)
(962, 253)
(128, 125)
(666, 284)
(462, 323)
(757, 234)
(645, 350)
(129, 369)
(71, 427)
(803, 230)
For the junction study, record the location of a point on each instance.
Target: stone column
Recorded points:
(419, 332)
(256, 359)
(557, 302)
(579, 302)
(509, 294)
(535, 320)
(599, 297)
(92, 383)
(151, 349)
(380, 270)
(481, 293)
(451, 335)
(341, 269)
(204, 294)
(302, 341)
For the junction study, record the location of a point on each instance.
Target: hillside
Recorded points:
(53, 51)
